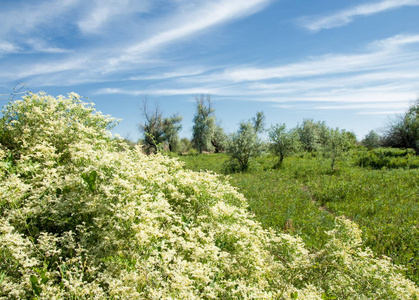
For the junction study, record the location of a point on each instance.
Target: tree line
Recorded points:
(162, 134)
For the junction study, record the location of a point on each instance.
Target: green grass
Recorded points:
(304, 196)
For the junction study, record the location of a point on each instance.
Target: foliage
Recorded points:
(337, 143)
(82, 220)
(259, 122)
(204, 124)
(309, 133)
(185, 145)
(244, 145)
(282, 142)
(219, 140)
(404, 132)
(159, 131)
(388, 158)
(171, 128)
(372, 140)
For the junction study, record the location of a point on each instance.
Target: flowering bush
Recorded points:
(83, 216)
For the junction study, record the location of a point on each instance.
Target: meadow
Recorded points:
(378, 192)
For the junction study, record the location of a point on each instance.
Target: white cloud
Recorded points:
(191, 22)
(24, 19)
(107, 55)
(7, 48)
(159, 92)
(24, 22)
(384, 112)
(344, 17)
(187, 72)
(104, 11)
(384, 54)
(43, 68)
(381, 105)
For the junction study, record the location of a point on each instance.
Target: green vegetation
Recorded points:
(86, 216)
(159, 132)
(304, 196)
(403, 132)
(204, 124)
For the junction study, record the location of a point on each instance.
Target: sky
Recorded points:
(353, 64)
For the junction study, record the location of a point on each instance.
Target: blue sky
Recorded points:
(353, 64)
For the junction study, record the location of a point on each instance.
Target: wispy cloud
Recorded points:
(341, 18)
(383, 54)
(184, 72)
(132, 43)
(381, 78)
(7, 48)
(160, 92)
(22, 18)
(22, 21)
(382, 112)
(191, 22)
(104, 11)
(381, 105)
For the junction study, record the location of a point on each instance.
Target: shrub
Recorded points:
(389, 158)
(403, 132)
(82, 220)
(282, 142)
(243, 146)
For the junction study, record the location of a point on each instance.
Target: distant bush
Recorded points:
(403, 132)
(389, 158)
(371, 140)
(244, 145)
(81, 219)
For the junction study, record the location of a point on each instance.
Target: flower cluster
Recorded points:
(85, 217)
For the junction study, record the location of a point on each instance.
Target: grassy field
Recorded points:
(304, 196)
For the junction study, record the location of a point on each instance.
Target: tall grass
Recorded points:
(304, 196)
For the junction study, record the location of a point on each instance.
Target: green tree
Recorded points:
(185, 145)
(338, 143)
(152, 129)
(371, 140)
(244, 145)
(171, 128)
(259, 122)
(282, 142)
(219, 139)
(309, 135)
(204, 124)
(404, 131)
(158, 131)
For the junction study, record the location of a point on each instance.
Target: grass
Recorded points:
(304, 196)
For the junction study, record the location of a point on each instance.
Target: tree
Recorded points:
(371, 140)
(204, 124)
(159, 131)
(219, 139)
(338, 143)
(185, 145)
(259, 122)
(152, 128)
(309, 135)
(404, 131)
(282, 142)
(171, 128)
(244, 145)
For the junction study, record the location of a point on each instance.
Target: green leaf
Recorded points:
(35, 285)
(294, 295)
(90, 180)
